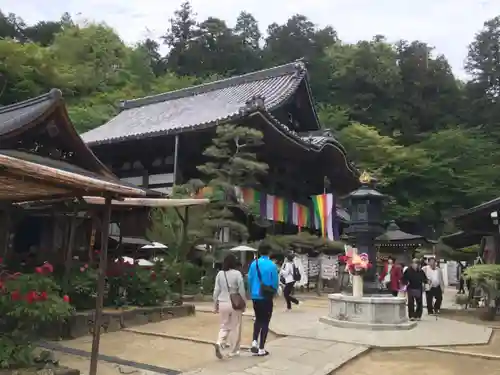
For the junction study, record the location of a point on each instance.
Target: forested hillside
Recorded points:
(431, 139)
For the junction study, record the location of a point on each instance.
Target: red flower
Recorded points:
(43, 296)
(47, 267)
(15, 295)
(31, 296)
(39, 270)
(66, 298)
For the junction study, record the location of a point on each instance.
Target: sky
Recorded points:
(447, 25)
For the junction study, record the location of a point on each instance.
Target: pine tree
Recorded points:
(232, 163)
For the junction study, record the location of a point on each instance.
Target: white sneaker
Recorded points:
(262, 353)
(255, 347)
(234, 354)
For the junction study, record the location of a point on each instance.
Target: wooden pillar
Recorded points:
(69, 255)
(7, 222)
(176, 160)
(96, 336)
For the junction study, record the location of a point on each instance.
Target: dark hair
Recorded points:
(264, 249)
(391, 258)
(290, 257)
(230, 262)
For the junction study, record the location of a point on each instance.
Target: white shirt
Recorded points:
(434, 276)
(287, 272)
(387, 277)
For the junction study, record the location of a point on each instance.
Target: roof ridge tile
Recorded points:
(296, 67)
(53, 94)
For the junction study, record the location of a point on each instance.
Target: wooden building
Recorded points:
(478, 225)
(158, 141)
(42, 158)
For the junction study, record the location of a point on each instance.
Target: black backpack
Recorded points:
(296, 273)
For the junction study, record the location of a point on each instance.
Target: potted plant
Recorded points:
(356, 264)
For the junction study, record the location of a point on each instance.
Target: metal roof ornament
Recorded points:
(365, 178)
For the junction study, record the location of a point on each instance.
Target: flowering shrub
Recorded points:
(134, 285)
(356, 264)
(27, 301)
(83, 286)
(146, 287)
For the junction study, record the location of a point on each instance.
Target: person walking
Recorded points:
(263, 282)
(414, 279)
(460, 273)
(229, 298)
(391, 276)
(435, 287)
(289, 275)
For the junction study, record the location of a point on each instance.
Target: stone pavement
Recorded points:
(289, 356)
(304, 322)
(307, 348)
(312, 347)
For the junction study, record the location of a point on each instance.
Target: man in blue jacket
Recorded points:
(263, 283)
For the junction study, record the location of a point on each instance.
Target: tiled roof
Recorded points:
(36, 114)
(15, 115)
(199, 106)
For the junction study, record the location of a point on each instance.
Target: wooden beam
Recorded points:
(96, 335)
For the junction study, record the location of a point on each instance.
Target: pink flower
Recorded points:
(66, 298)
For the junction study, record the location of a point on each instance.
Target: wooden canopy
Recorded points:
(28, 177)
(149, 202)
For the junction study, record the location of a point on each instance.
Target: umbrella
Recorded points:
(155, 245)
(243, 248)
(140, 262)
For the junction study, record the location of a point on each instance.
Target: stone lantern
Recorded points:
(366, 224)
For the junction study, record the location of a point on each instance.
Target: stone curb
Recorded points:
(461, 352)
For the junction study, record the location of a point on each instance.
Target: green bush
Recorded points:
(82, 288)
(146, 287)
(27, 303)
(130, 284)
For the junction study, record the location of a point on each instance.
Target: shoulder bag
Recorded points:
(266, 291)
(236, 299)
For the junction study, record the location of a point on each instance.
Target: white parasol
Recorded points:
(140, 262)
(243, 248)
(155, 245)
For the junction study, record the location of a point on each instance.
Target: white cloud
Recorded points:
(448, 25)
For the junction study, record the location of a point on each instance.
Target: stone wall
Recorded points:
(82, 323)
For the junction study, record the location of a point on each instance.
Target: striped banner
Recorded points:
(323, 205)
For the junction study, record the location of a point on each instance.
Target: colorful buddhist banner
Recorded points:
(286, 211)
(323, 206)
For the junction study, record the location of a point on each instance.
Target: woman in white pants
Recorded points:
(229, 280)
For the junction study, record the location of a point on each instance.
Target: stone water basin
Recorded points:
(372, 312)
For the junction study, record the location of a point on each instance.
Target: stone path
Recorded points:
(300, 344)
(289, 356)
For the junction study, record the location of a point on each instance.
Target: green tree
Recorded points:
(232, 161)
(483, 64)
(180, 34)
(365, 80)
